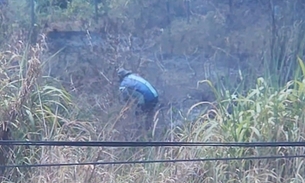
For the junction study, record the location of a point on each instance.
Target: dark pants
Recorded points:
(149, 111)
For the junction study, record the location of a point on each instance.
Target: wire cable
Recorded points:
(151, 161)
(149, 144)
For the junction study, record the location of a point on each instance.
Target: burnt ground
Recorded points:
(87, 70)
(86, 63)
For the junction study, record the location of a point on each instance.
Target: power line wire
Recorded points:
(151, 161)
(149, 144)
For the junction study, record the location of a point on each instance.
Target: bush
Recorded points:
(36, 106)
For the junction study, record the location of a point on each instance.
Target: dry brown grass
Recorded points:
(86, 108)
(46, 115)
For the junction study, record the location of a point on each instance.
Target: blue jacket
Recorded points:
(133, 83)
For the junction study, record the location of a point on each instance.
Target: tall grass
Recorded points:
(30, 109)
(37, 107)
(264, 113)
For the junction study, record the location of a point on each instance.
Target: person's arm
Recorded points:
(124, 94)
(127, 93)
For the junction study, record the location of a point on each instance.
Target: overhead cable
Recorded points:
(151, 161)
(149, 144)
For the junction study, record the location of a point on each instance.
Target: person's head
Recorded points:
(123, 73)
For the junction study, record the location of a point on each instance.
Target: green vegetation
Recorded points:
(264, 101)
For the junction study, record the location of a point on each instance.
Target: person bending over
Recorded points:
(133, 86)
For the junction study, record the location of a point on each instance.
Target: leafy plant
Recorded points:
(83, 105)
